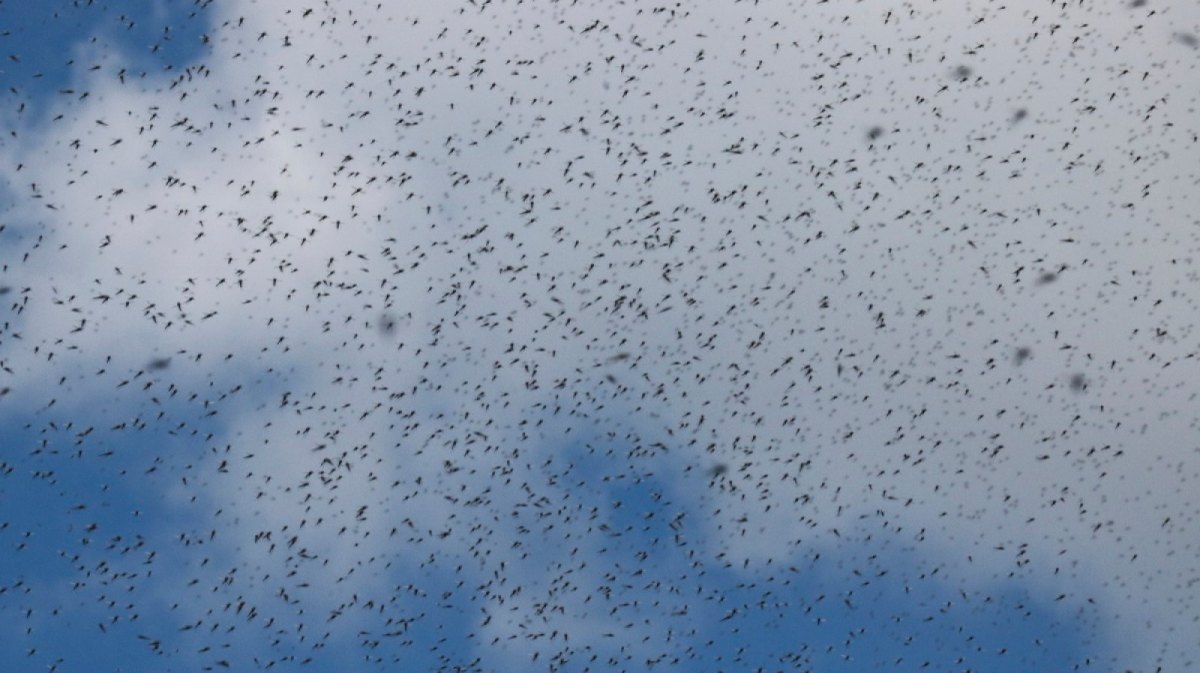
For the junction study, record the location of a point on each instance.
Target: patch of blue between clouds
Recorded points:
(39, 39)
(87, 527)
(873, 602)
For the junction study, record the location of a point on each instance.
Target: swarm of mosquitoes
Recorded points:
(574, 335)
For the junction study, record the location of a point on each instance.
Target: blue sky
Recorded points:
(41, 38)
(874, 603)
(214, 456)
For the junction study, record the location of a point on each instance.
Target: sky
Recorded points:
(591, 336)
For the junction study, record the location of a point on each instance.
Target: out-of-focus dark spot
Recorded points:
(1020, 114)
(718, 470)
(5, 290)
(874, 132)
(160, 363)
(1023, 354)
(1047, 278)
(1188, 39)
(387, 324)
(619, 357)
(1137, 3)
(963, 72)
(1078, 382)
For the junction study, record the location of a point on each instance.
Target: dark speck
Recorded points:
(718, 470)
(387, 324)
(1078, 382)
(1023, 354)
(874, 132)
(160, 363)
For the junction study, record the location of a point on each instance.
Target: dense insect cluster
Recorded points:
(574, 335)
